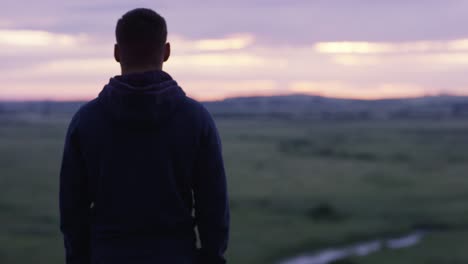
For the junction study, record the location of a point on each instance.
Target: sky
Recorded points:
(367, 49)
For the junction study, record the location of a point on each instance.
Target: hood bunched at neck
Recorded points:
(142, 100)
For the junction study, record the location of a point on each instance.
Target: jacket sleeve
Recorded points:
(211, 198)
(74, 200)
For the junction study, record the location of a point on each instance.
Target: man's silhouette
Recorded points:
(142, 164)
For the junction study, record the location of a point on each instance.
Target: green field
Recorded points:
(295, 187)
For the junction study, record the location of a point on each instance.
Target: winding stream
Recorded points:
(329, 255)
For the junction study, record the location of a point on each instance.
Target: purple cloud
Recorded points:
(283, 22)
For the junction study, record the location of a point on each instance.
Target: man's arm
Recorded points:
(211, 199)
(74, 200)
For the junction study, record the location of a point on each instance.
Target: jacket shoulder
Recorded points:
(89, 107)
(85, 113)
(196, 107)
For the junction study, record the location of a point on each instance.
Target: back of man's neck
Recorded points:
(125, 71)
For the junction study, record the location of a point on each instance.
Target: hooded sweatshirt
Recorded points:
(142, 166)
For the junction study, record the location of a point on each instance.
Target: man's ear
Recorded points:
(167, 51)
(117, 53)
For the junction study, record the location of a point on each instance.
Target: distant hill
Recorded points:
(293, 107)
(317, 107)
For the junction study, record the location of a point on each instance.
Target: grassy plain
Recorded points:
(295, 186)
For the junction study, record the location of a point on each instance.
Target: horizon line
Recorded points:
(71, 100)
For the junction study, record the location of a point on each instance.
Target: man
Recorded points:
(138, 160)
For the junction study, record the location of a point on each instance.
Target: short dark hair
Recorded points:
(141, 35)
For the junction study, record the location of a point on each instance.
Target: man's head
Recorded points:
(141, 41)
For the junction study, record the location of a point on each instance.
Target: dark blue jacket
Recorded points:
(138, 161)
